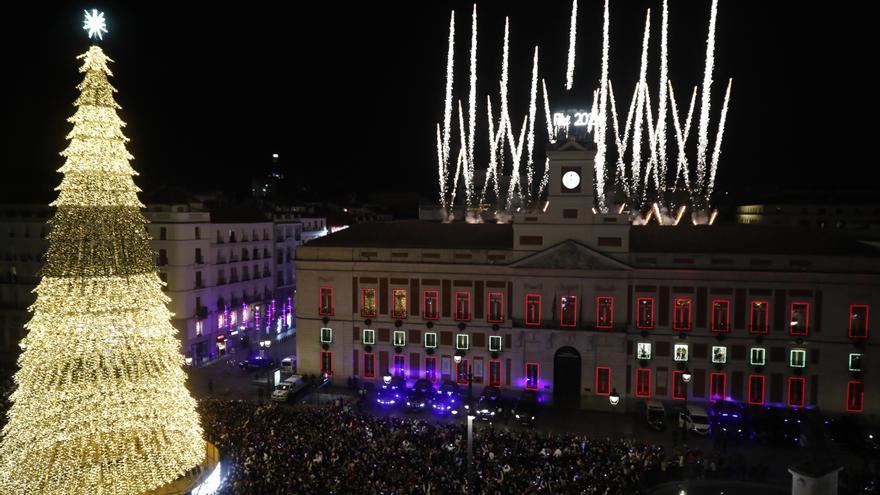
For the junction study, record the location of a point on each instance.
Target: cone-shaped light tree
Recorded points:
(100, 405)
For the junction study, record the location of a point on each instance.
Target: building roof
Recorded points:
(416, 234)
(744, 239)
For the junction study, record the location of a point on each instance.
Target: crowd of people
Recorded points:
(330, 449)
(6, 387)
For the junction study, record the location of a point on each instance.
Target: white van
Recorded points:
(285, 390)
(695, 419)
(288, 365)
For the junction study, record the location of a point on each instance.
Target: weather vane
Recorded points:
(95, 23)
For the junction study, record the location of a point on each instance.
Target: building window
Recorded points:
(603, 380)
(198, 233)
(369, 365)
(368, 302)
(326, 335)
(721, 316)
(855, 362)
(462, 341)
(163, 233)
(800, 318)
(398, 307)
(680, 352)
(758, 356)
(858, 321)
(495, 308)
(200, 329)
(477, 370)
(643, 382)
(532, 374)
(326, 302)
(430, 340)
(368, 336)
(604, 312)
(645, 312)
(495, 343)
(494, 373)
(717, 385)
(399, 338)
(326, 362)
(679, 387)
(568, 311)
(461, 372)
(796, 385)
(855, 396)
(643, 351)
(431, 368)
(760, 317)
(533, 309)
(681, 318)
(462, 306)
(719, 354)
(399, 364)
(756, 389)
(431, 303)
(797, 358)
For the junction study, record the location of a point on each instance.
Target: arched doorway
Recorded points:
(567, 377)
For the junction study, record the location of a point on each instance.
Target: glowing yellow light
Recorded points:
(100, 404)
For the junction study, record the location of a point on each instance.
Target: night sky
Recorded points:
(349, 93)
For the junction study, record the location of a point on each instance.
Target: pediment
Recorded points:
(571, 255)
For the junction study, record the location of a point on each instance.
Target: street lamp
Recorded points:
(614, 398)
(386, 379)
(686, 376)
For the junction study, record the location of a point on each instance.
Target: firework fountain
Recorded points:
(635, 178)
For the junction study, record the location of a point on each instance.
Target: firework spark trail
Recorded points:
(504, 117)
(716, 154)
(447, 110)
(622, 141)
(472, 96)
(592, 121)
(705, 104)
(572, 38)
(637, 132)
(466, 167)
(458, 166)
(681, 138)
(652, 168)
(662, 100)
(441, 172)
(602, 115)
(533, 110)
(545, 179)
(493, 163)
(516, 149)
(551, 132)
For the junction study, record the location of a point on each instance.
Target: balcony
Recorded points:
(163, 261)
(221, 281)
(200, 260)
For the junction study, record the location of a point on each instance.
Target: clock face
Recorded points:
(571, 179)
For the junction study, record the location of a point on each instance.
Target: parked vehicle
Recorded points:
(447, 399)
(655, 415)
(526, 408)
(390, 394)
(729, 419)
(257, 363)
(490, 405)
(288, 364)
(695, 419)
(287, 389)
(418, 400)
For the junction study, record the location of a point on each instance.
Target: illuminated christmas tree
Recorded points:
(100, 405)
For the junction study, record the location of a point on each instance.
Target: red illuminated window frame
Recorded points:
(605, 312)
(758, 325)
(679, 387)
(603, 380)
(858, 331)
(756, 389)
(325, 301)
(533, 310)
(717, 386)
(682, 313)
(796, 386)
(720, 315)
(571, 320)
(462, 306)
(494, 373)
(461, 372)
(398, 364)
(395, 312)
(645, 307)
(430, 308)
(855, 396)
(800, 329)
(495, 307)
(369, 365)
(431, 368)
(327, 362)
(533, 374)
(643, 382)
(364, 310)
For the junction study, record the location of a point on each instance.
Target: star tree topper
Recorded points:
(95, 23)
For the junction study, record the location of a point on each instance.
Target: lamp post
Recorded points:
(614, 398)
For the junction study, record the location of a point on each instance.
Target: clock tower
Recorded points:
(568, 212)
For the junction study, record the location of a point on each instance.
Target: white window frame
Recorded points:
(644, 346)
(752, 360)
(792, 353)
(675, 349)
(328, 340)
(398, 338)
(434, 335)
(467, 341)
(850, 361)
(499, 347)
(723, 359)
(371, 333)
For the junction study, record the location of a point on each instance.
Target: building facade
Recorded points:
(578, 305)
